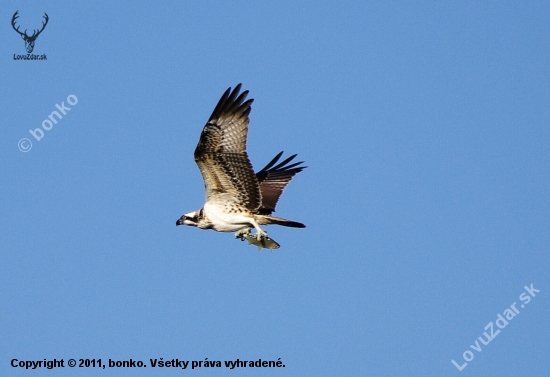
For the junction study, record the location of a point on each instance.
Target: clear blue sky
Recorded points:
(425, 126)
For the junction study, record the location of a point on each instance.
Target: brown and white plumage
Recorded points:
(237, 199)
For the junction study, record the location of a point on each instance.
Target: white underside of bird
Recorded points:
(224, 221)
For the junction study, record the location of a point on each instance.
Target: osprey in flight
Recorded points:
(237, 199)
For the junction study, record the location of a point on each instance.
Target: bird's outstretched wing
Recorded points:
(273, 180)
(221, 153)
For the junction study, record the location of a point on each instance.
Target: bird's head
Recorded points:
(191, 219)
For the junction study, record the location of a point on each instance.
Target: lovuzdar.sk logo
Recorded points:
(29, 39)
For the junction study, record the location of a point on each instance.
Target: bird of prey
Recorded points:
(237, 199)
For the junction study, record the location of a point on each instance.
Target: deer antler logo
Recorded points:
(29, 40)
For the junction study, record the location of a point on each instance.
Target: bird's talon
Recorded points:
(242, 234)
(261, 235)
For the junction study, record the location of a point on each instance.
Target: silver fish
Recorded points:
(264, 242)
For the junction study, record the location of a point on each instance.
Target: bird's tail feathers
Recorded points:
(269, 219)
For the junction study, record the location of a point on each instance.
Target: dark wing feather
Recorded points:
(221, 153)
(273, 180)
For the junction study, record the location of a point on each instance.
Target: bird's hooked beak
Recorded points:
(188, 219)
